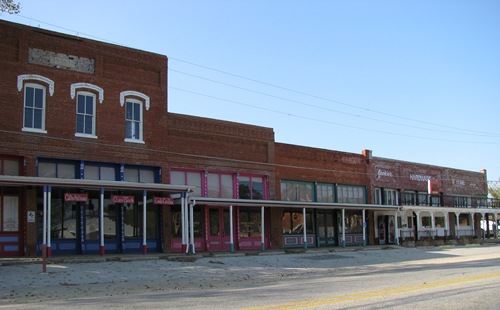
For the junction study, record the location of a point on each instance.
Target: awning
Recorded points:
(226, 202)
(85, 183)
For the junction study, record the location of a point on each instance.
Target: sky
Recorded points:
(417, 81)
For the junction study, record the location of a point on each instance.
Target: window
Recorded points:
(439, 221)
(133, 120)
(220, 185)
(191, 178)
(391, 197)
(423, 199)
(464, 220)
(58, 169)
(250, 222)
(410, 198)
(353, 221)
(34, 108)
(140, 174)
(324, 193)
(9, 213)
(351, 194)
(377, 195)
(85, 114)
(462, 202)
(426, 221)
(251, 187)
(9, 166)
(293, 222)
(296, 191)
(95, 171)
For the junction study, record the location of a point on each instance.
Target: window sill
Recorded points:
(82, 135)
(134, 141)
(34, 130)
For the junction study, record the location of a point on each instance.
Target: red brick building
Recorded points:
(91, 161)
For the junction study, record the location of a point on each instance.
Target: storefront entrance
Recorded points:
(10, 230)
(386, 229)
(327, 221)
(218, 229)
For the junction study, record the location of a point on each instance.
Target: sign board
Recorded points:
(433, 187)
(31, 217)
(76, 197)
(122, 199)
(163, 201)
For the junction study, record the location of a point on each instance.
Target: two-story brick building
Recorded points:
(91, 161)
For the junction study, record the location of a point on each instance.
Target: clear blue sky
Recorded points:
(411, 80)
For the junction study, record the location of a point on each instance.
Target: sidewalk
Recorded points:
(181, 257)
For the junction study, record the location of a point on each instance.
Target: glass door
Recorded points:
(219, 229)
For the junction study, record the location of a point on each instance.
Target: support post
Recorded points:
(49, 222)
(231, 233)
(101, 222)
(396, 228)
(144, 239)
(262, 230)
(44, 240)
(191, 220)
(183, 223)
(305, 227)
(343, 228)
(364, 228)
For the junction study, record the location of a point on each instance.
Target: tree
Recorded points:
(494, 189)
(10, 6)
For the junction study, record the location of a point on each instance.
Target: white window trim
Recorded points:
(95, 88)
(141, 124)
(24, 77)
(84, 135)
(128, 93)
(29, 129)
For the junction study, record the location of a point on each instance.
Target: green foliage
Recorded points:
(494, 190)
(10, 6)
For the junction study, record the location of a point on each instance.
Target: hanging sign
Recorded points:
(163, 201)
(76, 197)
(433, 187)
(122, 199)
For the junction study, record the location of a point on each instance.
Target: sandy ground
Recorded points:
(21, 283)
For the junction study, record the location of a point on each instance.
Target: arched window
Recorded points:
(34, 100)
(134, 115)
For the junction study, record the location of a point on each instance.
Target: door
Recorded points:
(218, 229)
(326, 227)
(10, 230)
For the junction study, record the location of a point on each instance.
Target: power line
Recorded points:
(327, 122)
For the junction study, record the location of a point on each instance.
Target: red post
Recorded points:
(102, 250)
(144, 249)
(44, 258)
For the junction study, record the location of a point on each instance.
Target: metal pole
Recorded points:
(144, 241)
(364, 228)
(44, 240)
(231, 234)
(191, 219)
(101, 222)
(343, 228)
(262, 230)
(305, 227)
(183, 222)
(49, 224)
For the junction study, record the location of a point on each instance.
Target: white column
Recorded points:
(472, 218)
(262, 230)
(396, 228)
(183, 223)
(144, 241)
(49, 222)
(231, 233)
(433, 225)
(191, 220)
(446, 224)
(418, 224)
(44, 238)
(343, 228)
(457, 228)
(364, 228)
(101, 222)
(304, 227)
(496, 226)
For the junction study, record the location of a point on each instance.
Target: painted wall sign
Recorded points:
(433, 187)
(383, 173)
(122, 199)
(76, 197)
(163, 201)
(420, 177)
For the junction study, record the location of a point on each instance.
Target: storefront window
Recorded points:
(63, 217)
(293, 222)
(176, 225)
(220, 185)
(191, 178)
(324, 193)
(296, 191)
(250, 222)
(353, 221)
